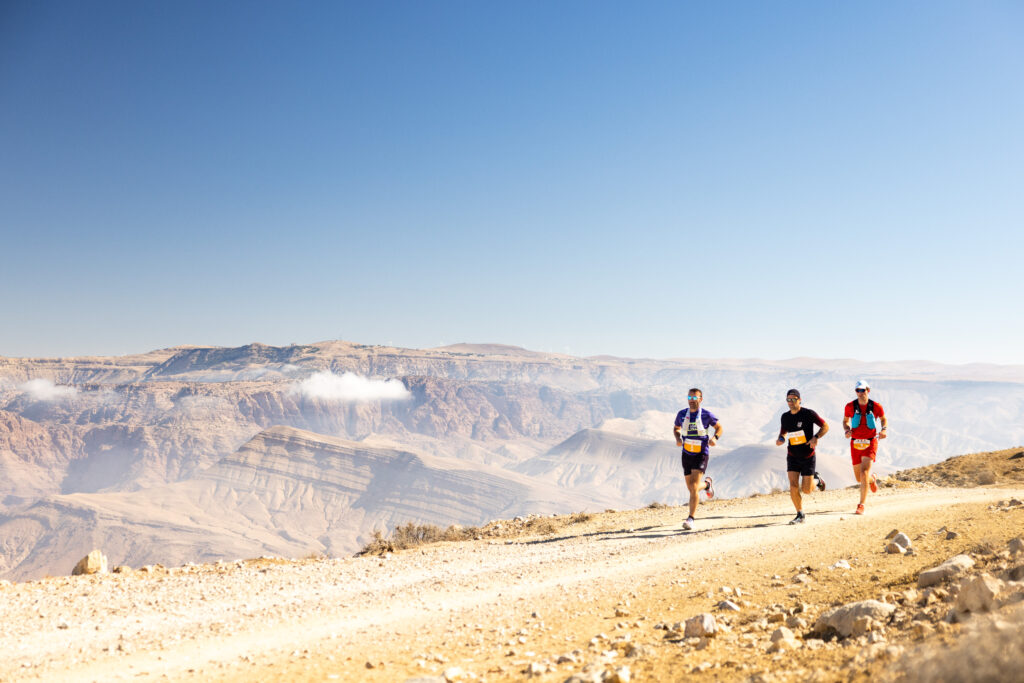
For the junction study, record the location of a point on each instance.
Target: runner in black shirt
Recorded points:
(797, 431)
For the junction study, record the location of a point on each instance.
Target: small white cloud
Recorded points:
(46, 390)
(350, 388)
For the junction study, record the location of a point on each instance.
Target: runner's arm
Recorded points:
(885, 423)
(821, 432)
(677, 432)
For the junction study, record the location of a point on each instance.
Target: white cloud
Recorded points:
(350, 388)
(46, 390)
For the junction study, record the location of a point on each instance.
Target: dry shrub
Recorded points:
(411, 535)
(986, 477)
(580, 517)
(656, 506)
(543, 527)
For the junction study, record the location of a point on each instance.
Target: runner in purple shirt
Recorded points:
(696, 430)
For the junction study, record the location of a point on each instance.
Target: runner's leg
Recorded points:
(865, 477)
(694, 482)
(794, 490)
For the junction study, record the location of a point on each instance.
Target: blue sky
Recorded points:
(720, 179)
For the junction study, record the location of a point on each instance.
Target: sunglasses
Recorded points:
(792, 400)
(860, 391)
(693, 398)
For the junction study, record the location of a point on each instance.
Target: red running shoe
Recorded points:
(860, 509)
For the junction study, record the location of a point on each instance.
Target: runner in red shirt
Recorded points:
(861, 423)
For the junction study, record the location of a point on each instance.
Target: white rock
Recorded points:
(894, 548)
(842, 618)
(841, 564)
(952, 567)
(978, 594)
(902, 539)
(453, 674)
(93, 563)
(618, 675)
(702, 625)
(728, 606)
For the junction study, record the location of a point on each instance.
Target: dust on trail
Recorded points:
(487, 607)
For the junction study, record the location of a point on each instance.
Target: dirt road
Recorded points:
(591, 596)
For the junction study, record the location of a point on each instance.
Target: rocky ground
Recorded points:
(614, 596)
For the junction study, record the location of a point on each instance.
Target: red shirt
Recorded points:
(862, 431)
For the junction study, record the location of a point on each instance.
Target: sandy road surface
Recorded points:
(489, 608)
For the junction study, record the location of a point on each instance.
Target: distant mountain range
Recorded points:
(198, 453)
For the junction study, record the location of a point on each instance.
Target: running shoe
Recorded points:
(688, 524)
(708, 490)
(873, 484)
(819, 482)
(799, 519)
(860, 509)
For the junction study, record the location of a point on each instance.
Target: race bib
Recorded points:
(862, 444)
(693, 445)
(796, 438)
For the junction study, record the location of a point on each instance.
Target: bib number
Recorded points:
(862, 444)
(796, 438)
(693, 445)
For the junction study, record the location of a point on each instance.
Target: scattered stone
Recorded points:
(702, 625)
(122, 569)
(903, 540)
(952, 567)
(796, 622)
(978, 594)
(618, 675)
(892, 534)
(454, 673)
(894, 548)
(728, 606)
(842, 619)
(841, 564)
(1016, 545)
(93, 563)
(950, 535)
(801, 578)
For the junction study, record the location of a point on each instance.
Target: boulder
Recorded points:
(93, 563)
(894, 548)
(952, 567)
(843, 619)
(1016, 545)
(978, 594)
(702, 625)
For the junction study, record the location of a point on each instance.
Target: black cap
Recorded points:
(793, 392)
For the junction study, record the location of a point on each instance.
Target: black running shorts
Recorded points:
(805, 466)
(695, 461)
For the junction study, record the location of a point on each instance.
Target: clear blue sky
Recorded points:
(719, 179)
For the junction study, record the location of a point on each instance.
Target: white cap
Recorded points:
(862, 385)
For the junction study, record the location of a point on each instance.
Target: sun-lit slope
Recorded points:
(286, 492)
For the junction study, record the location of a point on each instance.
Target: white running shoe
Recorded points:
(708, 490)
(688, 524)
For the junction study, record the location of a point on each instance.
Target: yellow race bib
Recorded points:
(796, 438)
(692, 445)
(862, 444)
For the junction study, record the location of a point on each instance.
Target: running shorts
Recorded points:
(863, 448)
(695, 461)
(803, 465)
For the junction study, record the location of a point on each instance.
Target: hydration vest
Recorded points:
(697, 421)
(869, 412)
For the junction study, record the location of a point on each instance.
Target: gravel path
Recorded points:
(219, 621)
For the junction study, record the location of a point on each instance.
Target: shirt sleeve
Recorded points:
(879, 411)
(817, 419)
(849, 410)
(712, 420)
(679, 419)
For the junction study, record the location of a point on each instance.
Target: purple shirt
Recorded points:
(707, 418)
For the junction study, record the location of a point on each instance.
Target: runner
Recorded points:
(860, 423)
(797, 430)
(691, 432)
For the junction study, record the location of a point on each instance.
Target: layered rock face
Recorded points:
(88, 445)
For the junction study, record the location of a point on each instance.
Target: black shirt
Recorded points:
(803, 421)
